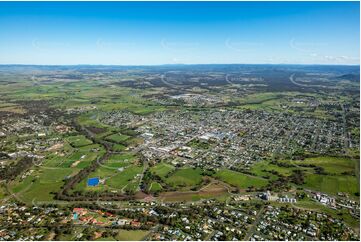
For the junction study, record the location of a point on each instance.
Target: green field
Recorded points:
(263, 168)
(106, 239)
(123, 180)
(279, 102)
(195, 143)
(332, 184)
(80, 157)
(119, 160)
(338, 175)
(155, 187)
(185, 177)
(78, 140)
(260, 97)
(49, 177)
(125, 157)
(131, 235)
(118, 147)
(161, 169)
(117, 138)
(333, 165)
(133, 141)
(46, 181)
(126, 179)
(2, 191)
(240, 180)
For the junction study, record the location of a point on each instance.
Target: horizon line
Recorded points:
(184, 64)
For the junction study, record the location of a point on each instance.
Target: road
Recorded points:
(293, 80)
(344, 125)
(254, 225)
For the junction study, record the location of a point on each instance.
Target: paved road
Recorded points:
(347, 139)
(254, 225)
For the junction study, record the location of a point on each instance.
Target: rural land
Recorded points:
(180, 152)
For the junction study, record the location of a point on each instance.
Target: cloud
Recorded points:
(179, 45)
(242, 46)
(308, 48)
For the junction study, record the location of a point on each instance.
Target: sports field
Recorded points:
(131, 235)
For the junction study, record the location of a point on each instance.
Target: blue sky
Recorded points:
(137, 33)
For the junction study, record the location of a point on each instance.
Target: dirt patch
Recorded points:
(51, 236)
(140, 195)
(13, 109)
(56, 147)
(75, 163)
(96, 130)
(213, 188)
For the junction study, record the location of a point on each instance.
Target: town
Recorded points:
(189, 156)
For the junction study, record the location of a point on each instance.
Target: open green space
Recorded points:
(78, 140)
(41, 183)
(240, 180)
(2, 191)
(281, 102)
(332, 184)
(126, 179)
(155, 187)
(117, 138)
(124, 157)
(338, 176)
(162, 169)
(133, 141)
(118, 147)
(196, 143)
(259, 97)
(80, 157)
(131, 235)
(106, 239)
(116, 176)
(333, 165)
(265, 168)
(185, 177)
